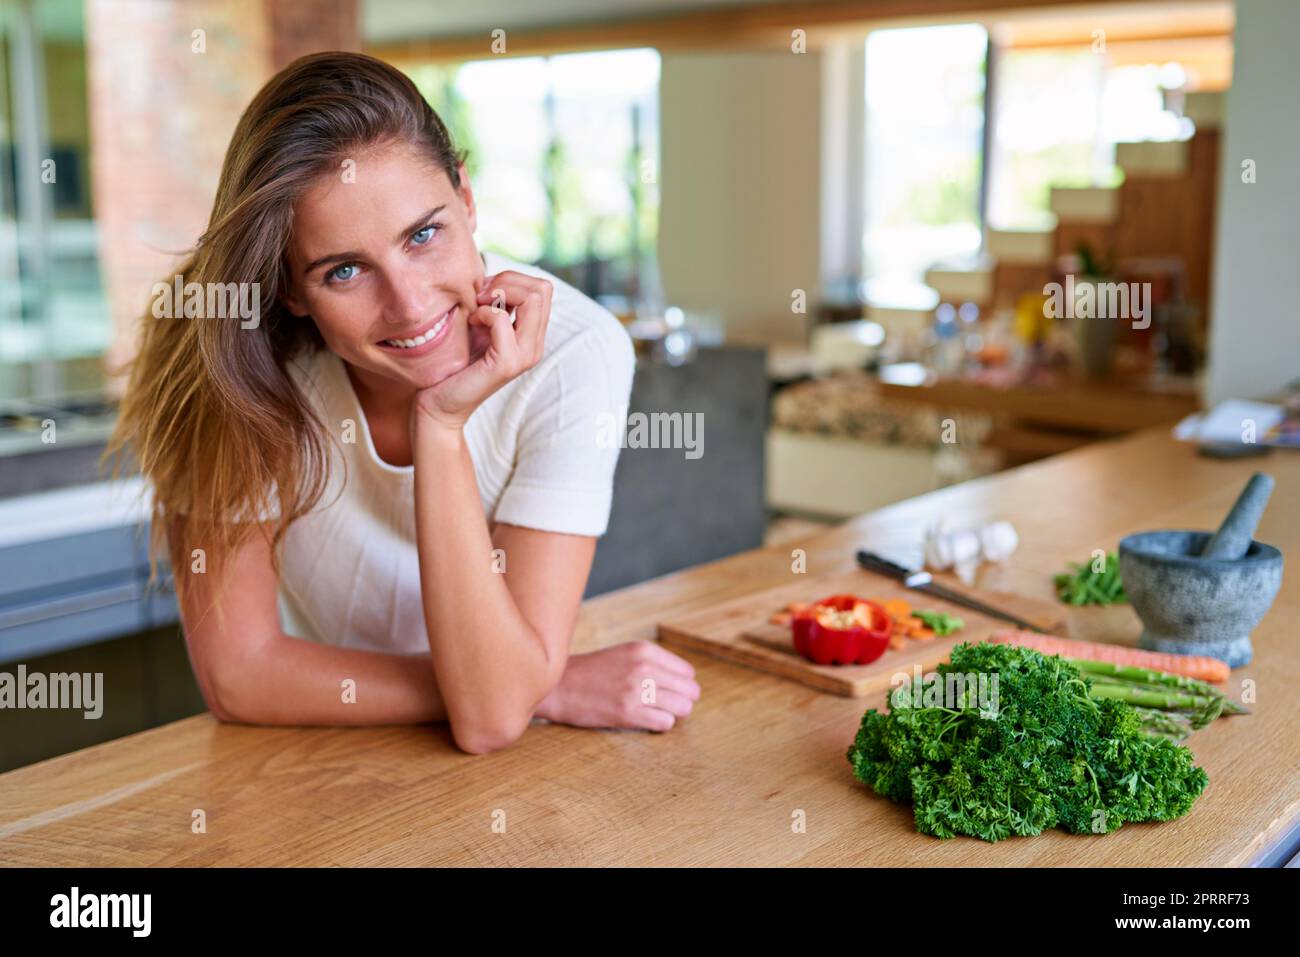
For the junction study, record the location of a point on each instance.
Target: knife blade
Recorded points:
(922, 581)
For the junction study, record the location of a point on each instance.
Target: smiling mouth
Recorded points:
(428, 335)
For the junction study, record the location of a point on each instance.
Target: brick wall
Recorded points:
(163, 103)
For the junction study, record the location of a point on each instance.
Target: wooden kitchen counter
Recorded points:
(724, 786)
(1111, 407)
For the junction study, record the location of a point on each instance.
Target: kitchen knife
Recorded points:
(922, 581)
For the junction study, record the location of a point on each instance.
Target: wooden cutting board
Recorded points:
(739, 630)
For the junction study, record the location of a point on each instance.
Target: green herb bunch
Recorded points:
(1081, 585)
(1050, 757)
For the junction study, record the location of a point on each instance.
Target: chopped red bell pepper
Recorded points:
(842, 630)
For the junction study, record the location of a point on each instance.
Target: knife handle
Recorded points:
(878, 563)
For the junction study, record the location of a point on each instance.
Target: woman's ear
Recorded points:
(467, 197)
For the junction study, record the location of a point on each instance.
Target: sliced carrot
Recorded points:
(895, 625)
(781, 618)
(922, 634)
(1193, 666)
(897, 642)
(898, 608)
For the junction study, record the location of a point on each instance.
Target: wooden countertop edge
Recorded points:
(85, 779)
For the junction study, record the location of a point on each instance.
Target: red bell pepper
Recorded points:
(842, 630)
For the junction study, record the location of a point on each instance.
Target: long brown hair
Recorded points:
(211, 416)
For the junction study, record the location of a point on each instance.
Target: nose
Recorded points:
(409, 296)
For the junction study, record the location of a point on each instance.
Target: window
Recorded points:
(1058, 117)
(924, 136)
(1058, 111)
(563, 157)
(52, 304)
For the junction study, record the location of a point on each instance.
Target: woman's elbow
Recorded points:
(483, 738)
(219, 710)
(223, 716)
(221, 693)
(484, 727)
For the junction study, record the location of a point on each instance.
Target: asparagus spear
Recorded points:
(1168, 700)
(1203, 709)
(1143, 675)
(1148, 677)
(1225, 705)
(1170, 724)
(1209, 713)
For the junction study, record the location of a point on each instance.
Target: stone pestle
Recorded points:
(1234, 536)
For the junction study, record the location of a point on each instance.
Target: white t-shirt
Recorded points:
(350, 571)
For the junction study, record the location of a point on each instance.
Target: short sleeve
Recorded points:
(244, 516)
(570, 436)
(268, 513)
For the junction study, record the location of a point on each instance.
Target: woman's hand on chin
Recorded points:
(499, 349)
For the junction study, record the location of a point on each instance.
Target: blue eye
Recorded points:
(343, 273)
(424, 235)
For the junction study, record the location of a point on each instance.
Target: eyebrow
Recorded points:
(418, 223)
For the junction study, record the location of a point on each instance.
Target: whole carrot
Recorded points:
(1192, 666)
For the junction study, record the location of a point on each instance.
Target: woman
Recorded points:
(382, 496)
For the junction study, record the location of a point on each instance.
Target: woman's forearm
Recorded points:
(491, 665)
(293, 681)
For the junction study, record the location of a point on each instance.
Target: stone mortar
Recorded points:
(1198, 606)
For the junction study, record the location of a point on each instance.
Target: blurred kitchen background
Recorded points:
(828, 225)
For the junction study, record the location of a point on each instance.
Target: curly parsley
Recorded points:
(1051, 757)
